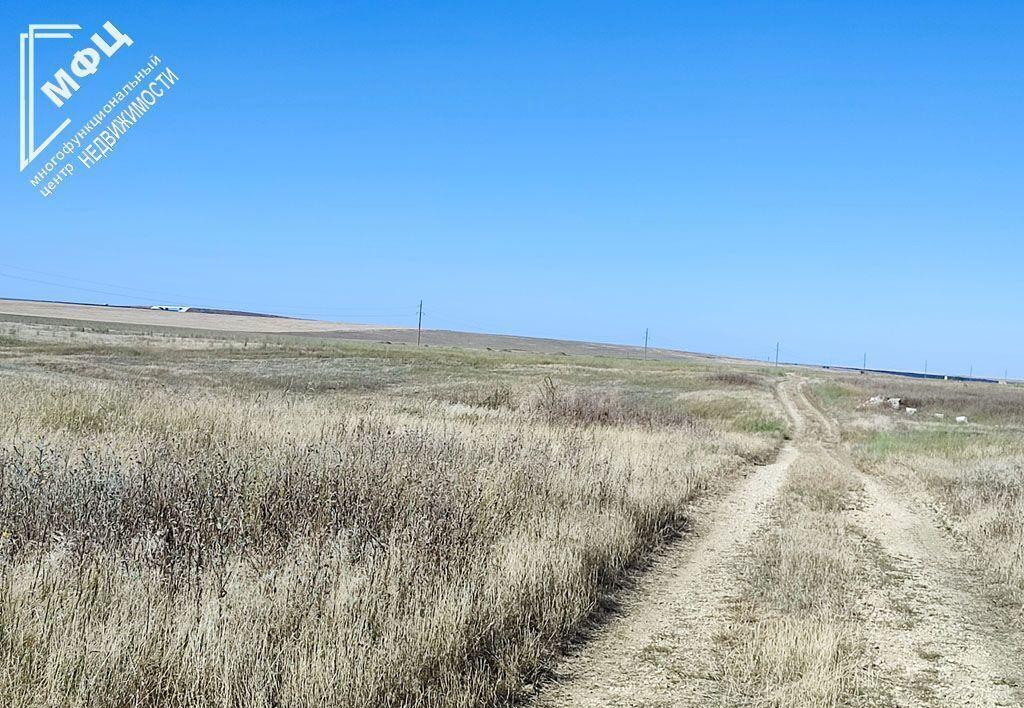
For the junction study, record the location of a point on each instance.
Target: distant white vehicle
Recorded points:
(170, 308)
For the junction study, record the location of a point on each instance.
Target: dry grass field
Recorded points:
(198, 519)
(212, 521)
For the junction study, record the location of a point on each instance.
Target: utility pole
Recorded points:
(419, 325)
(864, 366)
(925, 367)
(776, 353)
(647, 332)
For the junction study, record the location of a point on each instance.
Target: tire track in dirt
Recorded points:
(658, 651)
(938, 643)
(829, 432)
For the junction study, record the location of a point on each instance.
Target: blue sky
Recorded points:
(840, 177)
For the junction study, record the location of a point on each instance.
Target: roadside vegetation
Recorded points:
(805, 628)
(195, 521)
(971, 473)
(977, 483)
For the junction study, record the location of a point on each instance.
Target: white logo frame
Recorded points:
(28, 149)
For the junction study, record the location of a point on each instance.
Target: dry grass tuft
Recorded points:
(586, 407)
(735, 378)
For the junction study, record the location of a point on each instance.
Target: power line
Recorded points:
(134, 293)
(127, 291)
(443, 318)
(378, 312)
(90, 282)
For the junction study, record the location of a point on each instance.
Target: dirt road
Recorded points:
(938, 642)
(656, 653)
(931, 639)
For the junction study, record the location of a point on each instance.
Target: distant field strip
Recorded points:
(185, 320)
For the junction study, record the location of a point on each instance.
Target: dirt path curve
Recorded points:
(656, 652)
(936, 642)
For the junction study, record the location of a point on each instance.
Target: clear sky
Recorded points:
(841, 177)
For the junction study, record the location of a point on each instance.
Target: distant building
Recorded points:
(170, 308)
